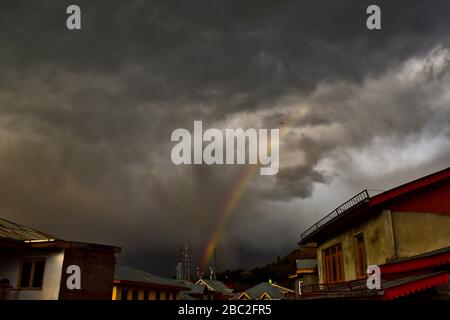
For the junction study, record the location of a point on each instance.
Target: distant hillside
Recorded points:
(277, 271)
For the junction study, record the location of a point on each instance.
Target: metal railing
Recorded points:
(346, 206)
(324, 288)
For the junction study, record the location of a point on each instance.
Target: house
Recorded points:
(196, 292)
(306, 273)
(405, 231)
(267, 291)
(35, 265)
(135, 284)
(305, 266)
(216, 289)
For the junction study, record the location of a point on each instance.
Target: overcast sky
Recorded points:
(86, 116)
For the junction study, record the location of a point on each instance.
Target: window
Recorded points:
(124, 294)
(167, 296)
(158, 295)
(135, 294)
(265, 296)
(244, 296)
(174, 296)
(146, 295)
(332, 264)
(32, 274)
(361, 262)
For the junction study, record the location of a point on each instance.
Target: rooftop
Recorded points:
(16, 232)
(274, 291)
(363, 201)
(215, 285)
(124, 273)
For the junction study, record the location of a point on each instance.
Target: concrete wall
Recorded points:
(10, 266)
(378, 240)
(417, 233)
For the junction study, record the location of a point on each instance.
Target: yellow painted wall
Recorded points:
(378, 240)
(117, 293)
(417, 233)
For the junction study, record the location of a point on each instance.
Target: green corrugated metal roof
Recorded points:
(306, 263)
(17, 232)
(127, 273)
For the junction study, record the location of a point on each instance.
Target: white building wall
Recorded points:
(10, 264)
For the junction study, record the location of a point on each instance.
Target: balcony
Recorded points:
(355, 288)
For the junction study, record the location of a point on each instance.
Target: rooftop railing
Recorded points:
(324, 288)
(345, 207)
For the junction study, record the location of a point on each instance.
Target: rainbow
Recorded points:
(236, 194)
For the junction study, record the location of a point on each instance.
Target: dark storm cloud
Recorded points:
(86, 116)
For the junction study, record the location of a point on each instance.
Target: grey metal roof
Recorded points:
(185, 295)
(405, 280)
(195, 288)
(17, 232)
(216, 285)
(257, 291)
(306, 263)
(127, 273)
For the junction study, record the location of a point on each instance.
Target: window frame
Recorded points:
(327, 257)
(360, 273)
(33, 261)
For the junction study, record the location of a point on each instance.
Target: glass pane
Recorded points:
(333, 269)
(26, 274)
(38, 274)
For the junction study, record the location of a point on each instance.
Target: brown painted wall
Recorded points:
(97, 274)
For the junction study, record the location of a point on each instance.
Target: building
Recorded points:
(215, 289)
(305, 266)
(34, 266)
(196, 292)
(135, 284)
(305, 274)
(405, 231)
(267, 291)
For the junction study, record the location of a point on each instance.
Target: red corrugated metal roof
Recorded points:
(415, 285)
(410, 186)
